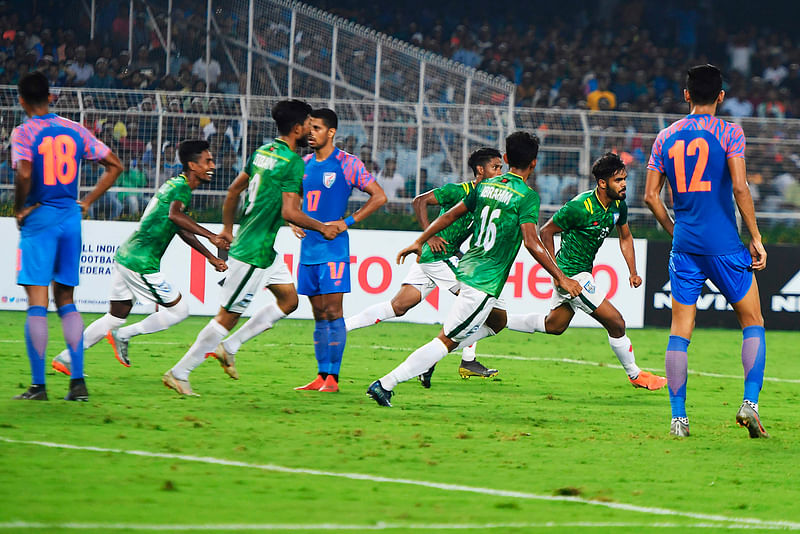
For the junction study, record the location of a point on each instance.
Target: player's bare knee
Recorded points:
(555, 330)
(616, 329)
(287, 303)
(121, 308)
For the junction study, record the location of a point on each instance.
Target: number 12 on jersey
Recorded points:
(678, 152)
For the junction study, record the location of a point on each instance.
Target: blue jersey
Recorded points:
(55, 147)
(693, 152)
(326, 188)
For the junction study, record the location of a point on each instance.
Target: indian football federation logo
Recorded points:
(328, 178)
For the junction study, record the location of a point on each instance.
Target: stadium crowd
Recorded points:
(558, 60)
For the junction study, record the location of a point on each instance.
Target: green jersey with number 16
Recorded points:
(274, 169)
(499, 206)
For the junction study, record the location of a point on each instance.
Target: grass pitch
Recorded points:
(558, 442)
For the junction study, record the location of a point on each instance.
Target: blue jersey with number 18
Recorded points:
(694, 152)
(55, 147)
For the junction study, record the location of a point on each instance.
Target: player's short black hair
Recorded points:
(481, 157)
(289, 113)
(704, 82)
(521, 149)
(328, 116)
(190, 150)
(34, 88)
(607, 166)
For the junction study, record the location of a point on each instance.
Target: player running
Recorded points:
(137, 268)
(584, 223)
(273, 181)
(324, 271)
(46, 153)
(437, 263)
(505, 211)
(703, 159)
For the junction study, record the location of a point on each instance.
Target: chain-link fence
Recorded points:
(145, 127)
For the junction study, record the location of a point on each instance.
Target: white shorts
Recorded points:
(242, 280)
(130, 285)
(426, 276)
(588, 300)
(469, 312)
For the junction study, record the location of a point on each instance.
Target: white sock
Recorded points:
(374, 314)
(417, 363)
(207, 340)
(482, 332)
(623, 348)
(95, 332)
(468, 354)
(158, 321)
(530, 323)
(261, 321)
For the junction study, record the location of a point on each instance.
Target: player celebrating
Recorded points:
(703, 159)
(272, 178)
(436, 265)
(324, 271)
(585, 221)
(505, 211)
(137, 268)
(46, 153)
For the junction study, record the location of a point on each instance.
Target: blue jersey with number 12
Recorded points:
(326, 188)
(694, 152)
(55, 147)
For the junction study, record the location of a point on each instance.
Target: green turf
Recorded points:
(542, 428)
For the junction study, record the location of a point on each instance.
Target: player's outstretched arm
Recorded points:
(291, 213)
(236, 188)
(536, 249)
(184, 222)
(744, 200)
(626, 246)
(190, 239)
(652, 197)
(420, 205)
(547, 233)
(437, 226)
(377, 198)
(113, 168)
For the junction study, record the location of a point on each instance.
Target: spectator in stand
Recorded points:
(365, 155)
(776, 72)
(133, 177)
(79, 71)
(602, 92)
(102, 78)
(214, 69)
(736, 106)
(391, 181)
(772, 107)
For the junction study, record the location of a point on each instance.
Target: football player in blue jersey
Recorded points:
(703, 159)
(324, 271)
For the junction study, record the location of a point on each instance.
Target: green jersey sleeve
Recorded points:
(292, 180)
(570, 216)
(623, 213)
(529, 208)
(471, 200)
(450, 194)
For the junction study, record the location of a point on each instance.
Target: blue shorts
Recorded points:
(50, 247)
(730, 273)
(323, 278)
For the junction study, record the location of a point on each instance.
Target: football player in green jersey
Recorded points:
(137, 272)
(505, 211)
(584, 222)
(437, 263)
(273, 180)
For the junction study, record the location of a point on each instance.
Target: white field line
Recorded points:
(421, 483)
(487, 355)
(378, 526)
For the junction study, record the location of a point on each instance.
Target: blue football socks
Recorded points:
(36, 341)
(322, 346)
(72, 326)
(336, 341)
(754, 356)
(676, 362)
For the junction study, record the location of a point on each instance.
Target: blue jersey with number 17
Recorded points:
(326, 188)
(55, 147)
(694, 152)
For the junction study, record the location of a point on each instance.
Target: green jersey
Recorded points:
(448, 196)
(274, 169)
(499, 206)
(142, 251)
(585, 223)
